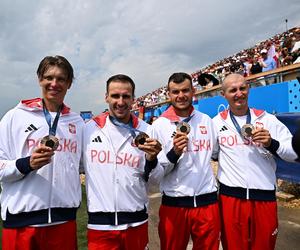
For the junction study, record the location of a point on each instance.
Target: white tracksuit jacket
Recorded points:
(114, 169)
(245, 164)
(51, 190)
(192, 175)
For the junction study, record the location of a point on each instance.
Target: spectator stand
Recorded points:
(211, 102)
(242, 63)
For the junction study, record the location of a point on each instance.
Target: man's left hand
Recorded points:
(262, 136)
(151, 147)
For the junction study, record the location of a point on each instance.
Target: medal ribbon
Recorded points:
(236, 124)
(52, 129)
(186, 119)
(129, 126)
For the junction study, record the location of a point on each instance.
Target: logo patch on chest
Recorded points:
(72, 128)
(203, 130)
(97, 139)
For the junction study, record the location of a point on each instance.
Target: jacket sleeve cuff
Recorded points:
(23, 165)
(149, 165)
(273, 147)
(172, 156)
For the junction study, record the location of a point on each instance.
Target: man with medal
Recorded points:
(40, 149)
(249, 139)
(120, 160)
(189, 203)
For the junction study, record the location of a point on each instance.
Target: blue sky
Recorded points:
(146, 39)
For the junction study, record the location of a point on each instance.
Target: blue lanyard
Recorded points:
(186, 119)
(235, 123)
(52, 129)
(129, 126)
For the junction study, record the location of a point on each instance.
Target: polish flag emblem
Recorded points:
(72, 128)
(259, 125)
(203, 130)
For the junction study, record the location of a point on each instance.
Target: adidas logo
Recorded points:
(31, 127)
(97, 139)
(174, 133)
(223, 128)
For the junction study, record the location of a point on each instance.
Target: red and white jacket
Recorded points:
(53, 187)
(192, 175)
(245, 164)
(114, 169)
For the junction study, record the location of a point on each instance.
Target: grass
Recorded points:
(81, 224)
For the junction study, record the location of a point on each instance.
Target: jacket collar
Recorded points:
(171, 114)
(101, 119)
(37, 104)
(255, 113)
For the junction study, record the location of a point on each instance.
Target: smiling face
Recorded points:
(181, 96)
(54, 85)
(236, 90)
(120, 98)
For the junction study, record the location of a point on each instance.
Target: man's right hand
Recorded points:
(180, 142)
(40, 157)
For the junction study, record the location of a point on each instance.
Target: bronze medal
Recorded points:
(50, 141)
(183, 127)
(247, 130)
(140, 139)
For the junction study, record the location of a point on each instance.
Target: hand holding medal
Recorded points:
(149, 145)
(40, 157)
(256, 135)
(183, 127)
(180, 140)
(247, 130)
(140, 139)
(50, 140)
(262, 136)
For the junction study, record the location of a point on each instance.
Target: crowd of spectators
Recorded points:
(280, 50)
(157, 96)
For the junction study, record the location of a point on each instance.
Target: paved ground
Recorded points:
(289, 226)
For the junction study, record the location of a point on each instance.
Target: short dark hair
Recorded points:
(59, 61)
(179, 77)
(121, 78)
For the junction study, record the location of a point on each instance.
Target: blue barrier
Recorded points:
(287, 170)
(275, 98)
(154, 111)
